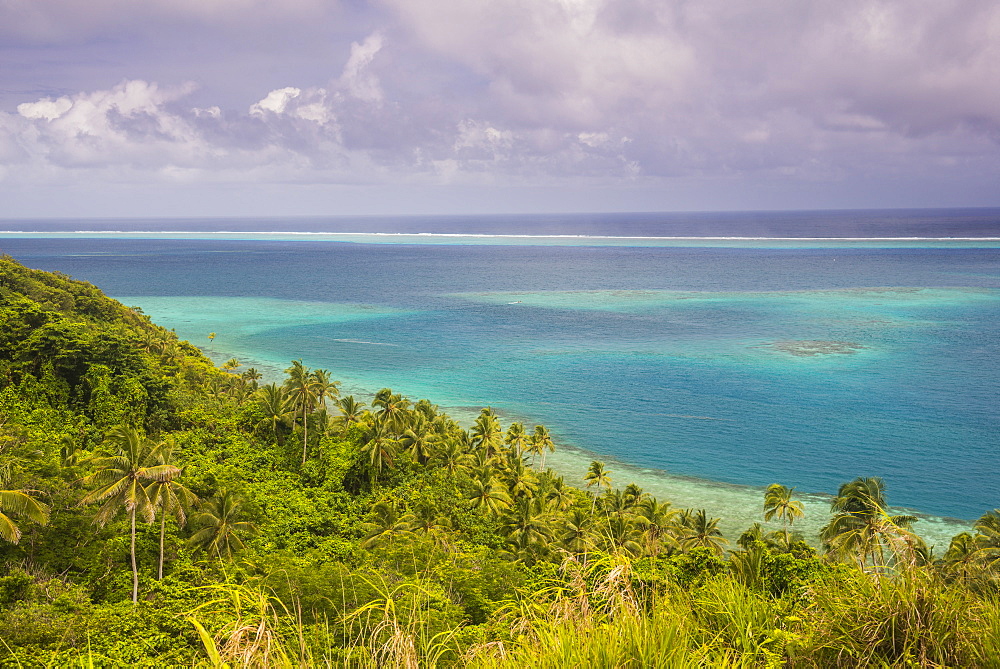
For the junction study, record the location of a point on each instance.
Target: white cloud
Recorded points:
(208, 112)
(357, 77)
(312, 105)
(124, 124)
(317, 112)
(594, 139)
(480, 135)
(275, 102)
(47, 109)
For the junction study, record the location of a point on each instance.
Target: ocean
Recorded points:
(702, 355)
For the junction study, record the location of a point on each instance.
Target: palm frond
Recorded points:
(20, 502)
(9, 531)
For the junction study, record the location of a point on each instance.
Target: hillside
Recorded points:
(159, 510)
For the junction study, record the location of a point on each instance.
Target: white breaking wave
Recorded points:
(361, 341)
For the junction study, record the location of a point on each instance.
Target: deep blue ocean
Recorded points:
(807, 364)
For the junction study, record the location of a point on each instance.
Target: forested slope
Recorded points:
(158, 510)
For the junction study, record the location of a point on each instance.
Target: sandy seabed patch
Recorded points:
(814, 347)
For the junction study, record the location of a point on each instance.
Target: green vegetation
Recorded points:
(158, 510)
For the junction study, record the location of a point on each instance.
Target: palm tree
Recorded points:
(252, 376)
(169, 352)
(516, 438)
(599, 476)
(521, 480)
(389, 521)
(120, 478)
(418, 439)
(755, 533)
(171, 498)
(481, 459)
(577, 533)
(525, 524)
(174, 499)
(218, 385)
(451, 457)
(239, 389)
(697, 529)
(962, 556)
(220, 525)
(392, 406)
(321, 421)
(427, 410)
(634, 495)
(560, 495)
(615, 502)
(540, 442)
(488, 494)
(323, 387)
(350, 411)
(861, 524)
(486, 432)
(299, 385)
(426, 520)
(275, 405)
(622, 535)
(988, 536)
(778, 502)
(659, 523)
(68, 456)
(19, 502)
(378, 445)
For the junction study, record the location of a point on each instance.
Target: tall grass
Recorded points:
(911, 619)
(251, 635)
(396, 629)
(590, 614)
(594, 617)
(661, 639)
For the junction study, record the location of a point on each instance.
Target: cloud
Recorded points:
(128, 123)
(275, 102)
(697, 82)
(357, 77)
(541, 92)
(47, 109)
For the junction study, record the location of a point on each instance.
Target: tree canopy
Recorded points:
(157, 509)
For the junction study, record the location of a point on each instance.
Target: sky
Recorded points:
(325, 107)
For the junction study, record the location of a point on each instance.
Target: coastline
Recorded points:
(738, 505)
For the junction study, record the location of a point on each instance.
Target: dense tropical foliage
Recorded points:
(158, 510)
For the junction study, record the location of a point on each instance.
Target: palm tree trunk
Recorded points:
(163, 530)
(135, 569)
(305, 432)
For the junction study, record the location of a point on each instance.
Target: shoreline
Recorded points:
(738, 505)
